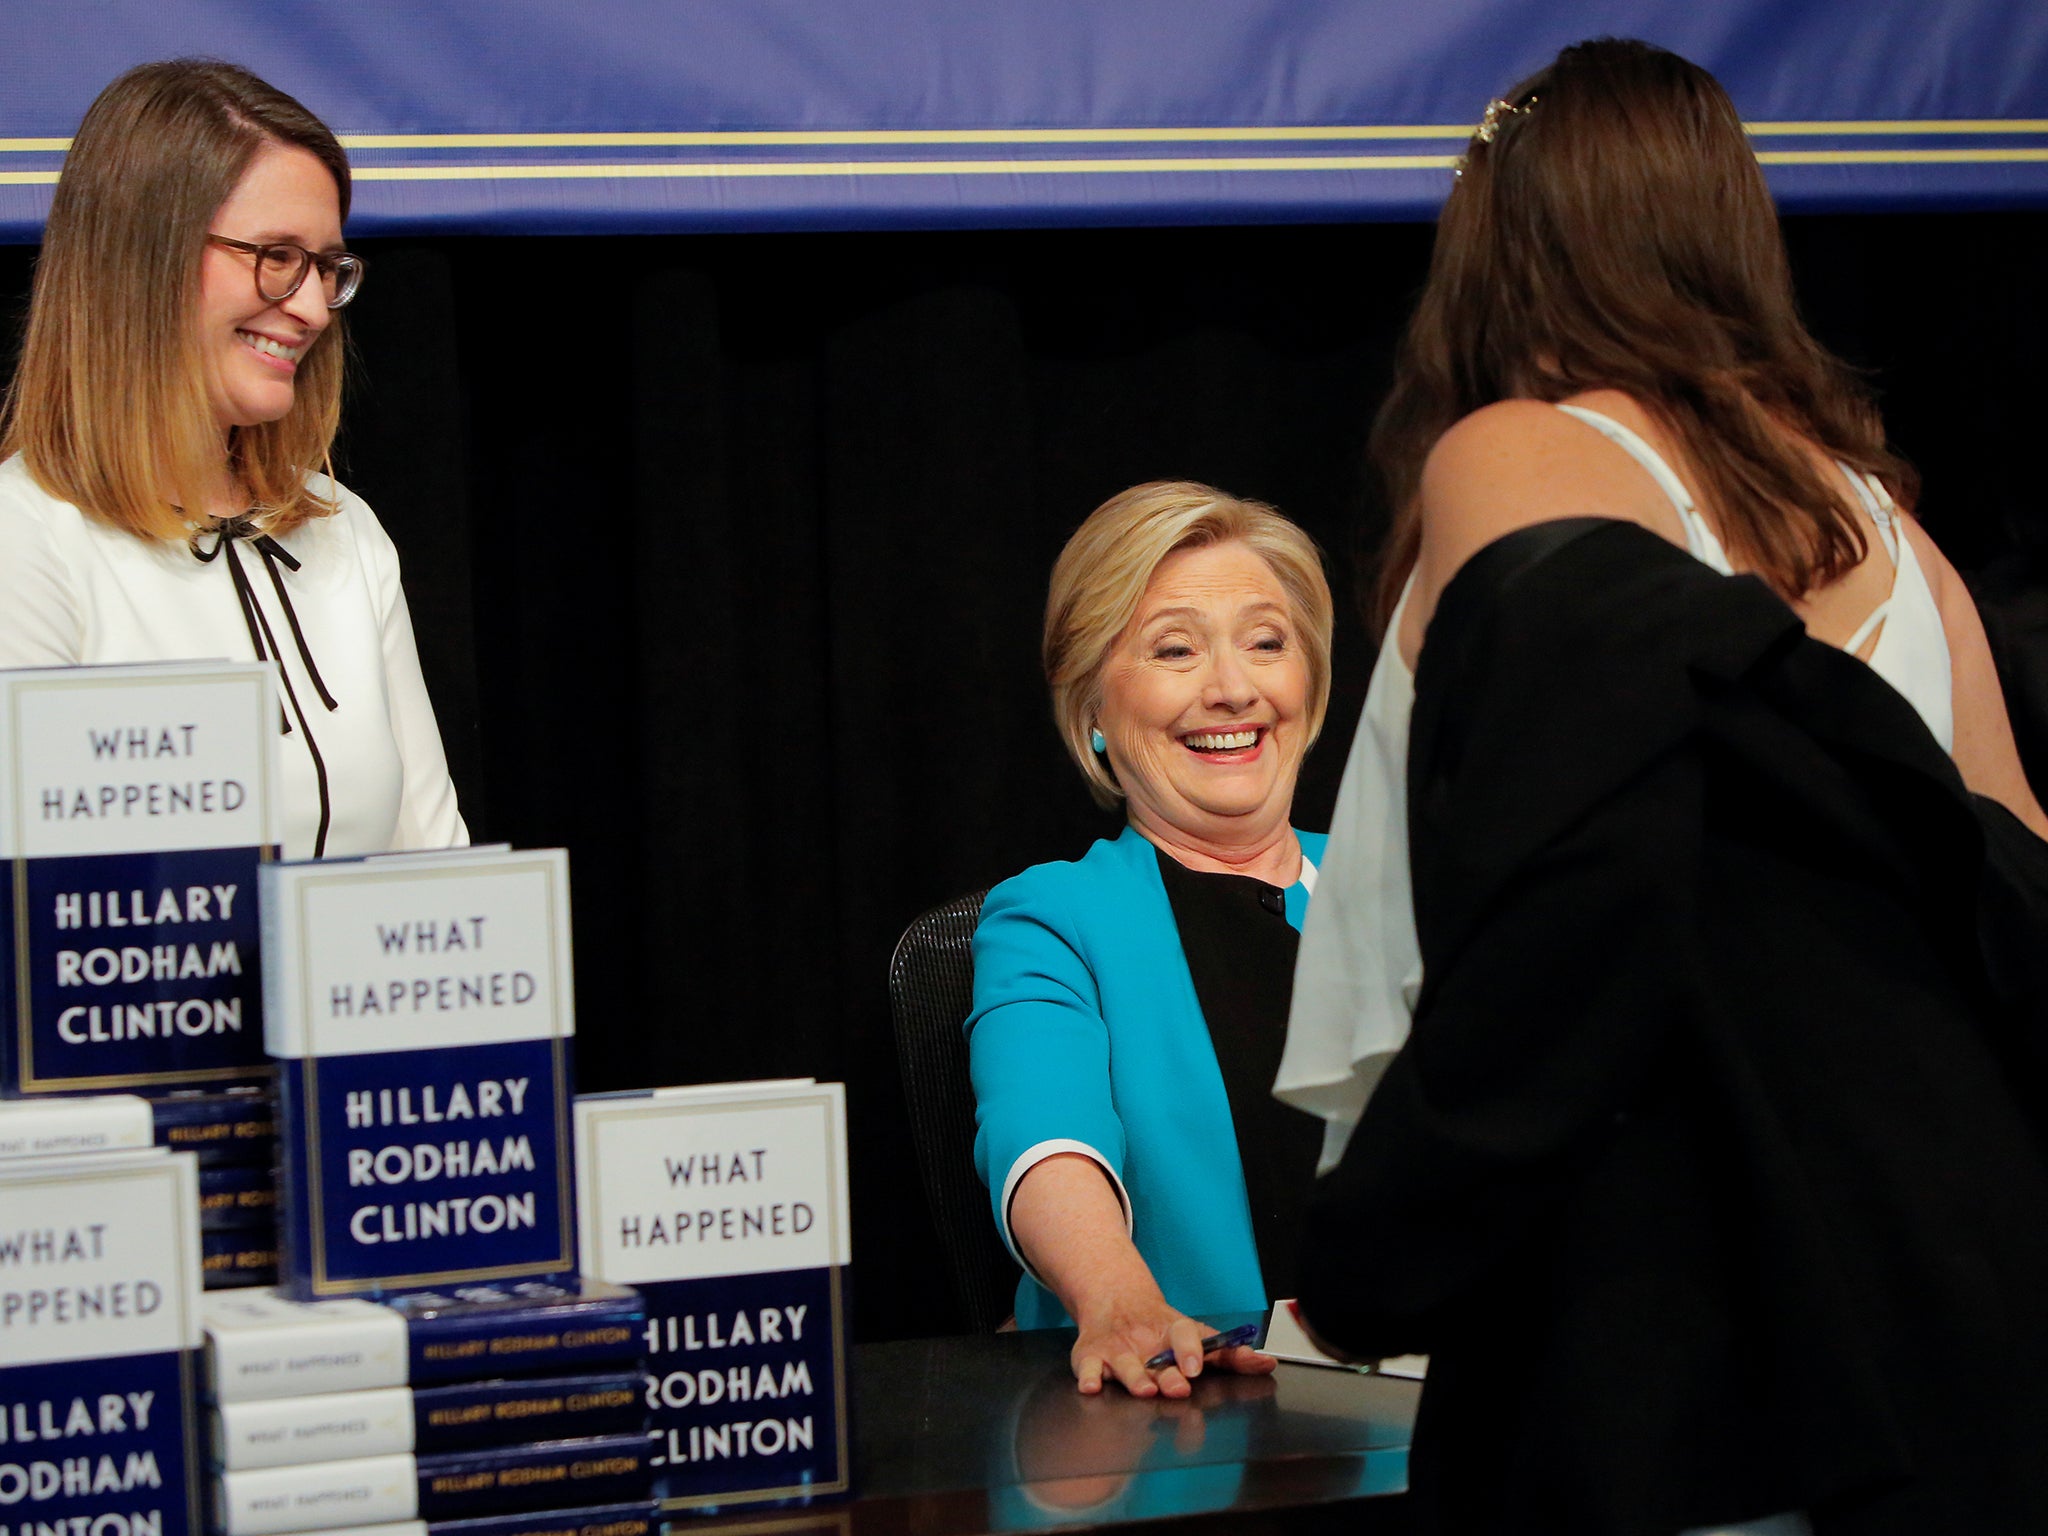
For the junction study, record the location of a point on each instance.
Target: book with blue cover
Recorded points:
(637, 1519)
(229, 1126)
(59, 1126)
(426, 1421)
(261, 1344)
(136, 805)
(420, 1011)
(271, 1501)
(99, 1327)
(234, 1257)
(726, 1208)
(239, 1197)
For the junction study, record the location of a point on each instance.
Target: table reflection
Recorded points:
(1301, 1435)
(971, 1435)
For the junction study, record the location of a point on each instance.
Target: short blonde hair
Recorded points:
(1101, 576)
(109, 406)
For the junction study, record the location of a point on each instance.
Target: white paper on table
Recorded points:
(1285, 1340)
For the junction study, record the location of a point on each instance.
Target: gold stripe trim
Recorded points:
(700, 170)
(771, 138)
(1901, 156)
(797, 169)
(1904, 127)
(798, 138)
(1318, 133)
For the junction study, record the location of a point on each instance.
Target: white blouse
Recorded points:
(75, 591)
(1358, 971)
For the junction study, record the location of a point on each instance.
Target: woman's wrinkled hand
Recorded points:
(1116, 1341)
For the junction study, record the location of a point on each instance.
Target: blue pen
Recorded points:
(1243, 1333)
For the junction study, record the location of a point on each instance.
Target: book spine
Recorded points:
(605, 1469)
(634, 1519)
(312, 1355)
(428, 1421)
(296, 1431)
(59, 1127)
(582, 1334)
(238, 1195)
(237, 1256)
(297, 1178)
(223, 1129)
(637, 1519)
(475, 1415)
(369, 1490)
(13, 1024)
(265, 1345)
(270, 1500)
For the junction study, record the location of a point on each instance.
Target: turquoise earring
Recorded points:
(1097, 740)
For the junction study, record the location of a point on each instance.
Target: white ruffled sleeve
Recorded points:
(42, 616)
(1359, 967)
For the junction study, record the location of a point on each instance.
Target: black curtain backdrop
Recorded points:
(726, 556)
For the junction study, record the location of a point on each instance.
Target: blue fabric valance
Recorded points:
(532, 116)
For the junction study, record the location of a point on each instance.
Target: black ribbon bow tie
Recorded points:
(227, 534)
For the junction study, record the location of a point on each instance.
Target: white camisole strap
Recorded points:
(1699, 538)
(1912, 649)
(1706, 547)
(1881, 517)
(1359, 968)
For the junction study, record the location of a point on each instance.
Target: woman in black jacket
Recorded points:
(1710, 1175)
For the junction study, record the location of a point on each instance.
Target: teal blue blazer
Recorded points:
(1086, 1035)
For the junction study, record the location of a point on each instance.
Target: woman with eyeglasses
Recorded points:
(164, 452)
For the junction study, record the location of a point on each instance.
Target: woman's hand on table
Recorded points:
(1067, 1217)
(1121, 1335)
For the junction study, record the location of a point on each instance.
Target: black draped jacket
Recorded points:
(1712, 1177)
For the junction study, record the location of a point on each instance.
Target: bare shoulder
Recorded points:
(1969, 650)
(1985, 752)
(1941, 576)
(1519, 462)
(1483, 461)
(1511, 465)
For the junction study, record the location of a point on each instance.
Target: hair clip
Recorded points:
(1498, 111)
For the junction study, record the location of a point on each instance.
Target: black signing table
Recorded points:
(959, 1436)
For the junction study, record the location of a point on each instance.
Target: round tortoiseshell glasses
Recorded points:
(282, 267)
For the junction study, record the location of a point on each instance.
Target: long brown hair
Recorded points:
(1614, 231)
(109, 406)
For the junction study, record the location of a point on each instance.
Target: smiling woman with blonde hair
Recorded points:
(1129, 1006)
(165, 491)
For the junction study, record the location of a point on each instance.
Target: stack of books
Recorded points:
(136, 805)
(233, 1134)
(498, 1412)
(340, 1094)
(726, 1207)
(428, 1354)
(99, 1324)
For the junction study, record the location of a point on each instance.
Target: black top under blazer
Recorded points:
(1712, 1176)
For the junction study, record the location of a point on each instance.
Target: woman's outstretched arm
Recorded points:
(1069, 1222)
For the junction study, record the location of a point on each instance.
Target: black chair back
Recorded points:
(931, 992)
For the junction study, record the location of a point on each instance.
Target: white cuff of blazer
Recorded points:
(1030, 1158)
